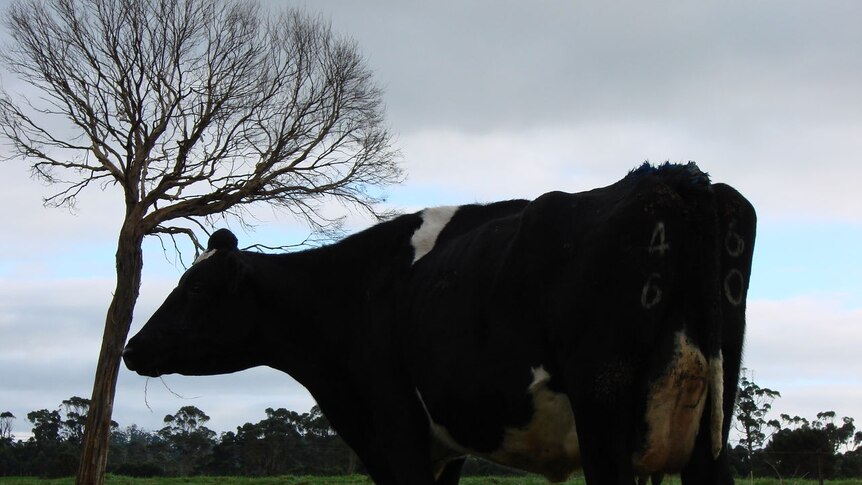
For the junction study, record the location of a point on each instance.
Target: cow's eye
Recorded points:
(196, 288)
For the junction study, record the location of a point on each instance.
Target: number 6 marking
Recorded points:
(651, 292)
(733, 242)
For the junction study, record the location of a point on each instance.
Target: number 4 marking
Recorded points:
(658, 243)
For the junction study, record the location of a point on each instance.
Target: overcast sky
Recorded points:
(501, 99)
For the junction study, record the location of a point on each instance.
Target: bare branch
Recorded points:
(196, 107)
(311, 241)
(173, 232)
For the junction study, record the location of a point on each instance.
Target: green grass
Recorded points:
(361, 480)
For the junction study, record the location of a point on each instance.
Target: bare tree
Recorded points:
(190, 108)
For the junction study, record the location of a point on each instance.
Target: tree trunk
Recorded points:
(94, 457)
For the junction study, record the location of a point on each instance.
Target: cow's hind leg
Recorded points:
(451, 474)
(702, 469)
(654, 479)
(601, 397)
(606, 460)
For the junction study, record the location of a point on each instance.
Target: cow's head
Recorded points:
(206, 325)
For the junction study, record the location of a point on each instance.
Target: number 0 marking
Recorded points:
(734, 299)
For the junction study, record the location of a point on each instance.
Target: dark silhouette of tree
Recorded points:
(332, 453)
(276, 445)
(191, 442)
(56, 441)
(851, 463)
(279, 437)
(75, 409)
(46, 426)
(844, 435)
(49, 457)
(315, 424)
(226, 457)
(802, 452)
(138, 453)
(285, 442)
(810, 447)
(187, 109)
(8, 460)
(6, 420)
(753, 403)
(839, 436)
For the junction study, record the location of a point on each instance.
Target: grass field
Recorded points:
(361, 480)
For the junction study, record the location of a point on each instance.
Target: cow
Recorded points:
(600, 330)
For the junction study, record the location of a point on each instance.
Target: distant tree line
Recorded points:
(285, 442)
(791, 447)
(289, 443)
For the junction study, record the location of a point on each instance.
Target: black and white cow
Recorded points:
(600, 330)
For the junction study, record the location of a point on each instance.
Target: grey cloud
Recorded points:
(483, 65)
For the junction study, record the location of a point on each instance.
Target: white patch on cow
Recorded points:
(548, 444)
(716, 390)
(540, 376)
(433, 221)
(675, 404)
(204, 255)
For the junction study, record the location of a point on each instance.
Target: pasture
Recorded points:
(362, 480)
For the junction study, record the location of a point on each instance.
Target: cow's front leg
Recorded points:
(349, 416)
(401, 432)
(397, 419)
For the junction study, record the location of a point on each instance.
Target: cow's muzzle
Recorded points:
(132, 359)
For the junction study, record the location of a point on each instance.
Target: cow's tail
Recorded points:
(704, 302)
(714, 331)
(716, 408)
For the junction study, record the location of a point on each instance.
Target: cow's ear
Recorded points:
(222, 239)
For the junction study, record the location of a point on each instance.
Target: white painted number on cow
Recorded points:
(734, 287)
(658, 243)
(734, 282)
(651, 292)
(733, 242)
